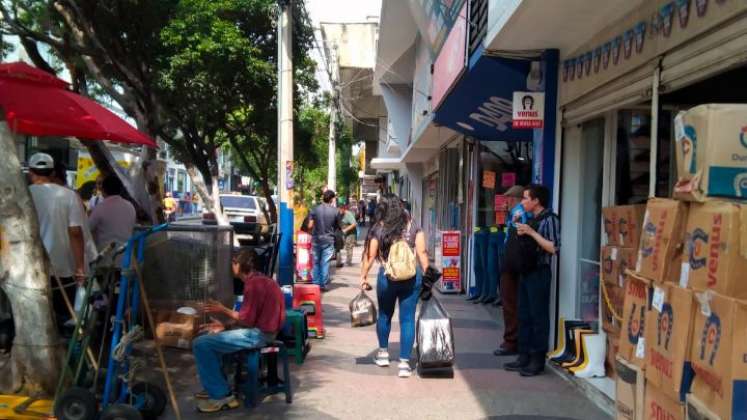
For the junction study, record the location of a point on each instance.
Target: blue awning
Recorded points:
(480, 103)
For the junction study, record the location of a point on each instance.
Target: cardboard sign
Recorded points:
(668, 337)
(661, 406)
(662, 240)
(634, 317)
(528, 110)
(716, 248)
(718, 347)
(622, 225)
(488, 180)
(711, 152)
(451, 259)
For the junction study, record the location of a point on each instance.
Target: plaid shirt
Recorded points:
(549, 228)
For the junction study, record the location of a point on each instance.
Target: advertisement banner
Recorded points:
(529, 110)
(451, 61)
(451, 258)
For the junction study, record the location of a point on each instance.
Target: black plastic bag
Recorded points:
(435, 336)
(430, 278)
(362, 310)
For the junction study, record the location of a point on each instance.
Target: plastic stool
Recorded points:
(252, 386)
(295, 335)
(309, 298)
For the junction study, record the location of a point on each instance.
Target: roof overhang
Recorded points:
(387, 164)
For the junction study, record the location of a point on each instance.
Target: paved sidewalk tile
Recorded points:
(340, 381)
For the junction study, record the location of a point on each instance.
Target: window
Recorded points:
(238, 202)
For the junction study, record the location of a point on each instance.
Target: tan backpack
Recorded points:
(400, 264)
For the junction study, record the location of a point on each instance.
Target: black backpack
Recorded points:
(523, 252)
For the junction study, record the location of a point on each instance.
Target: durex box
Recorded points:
(661, 406)
(719, 354)
(662, 240)
(622, 225)
(632, 340)
(715, 254)
(711, 151)
(669, 324)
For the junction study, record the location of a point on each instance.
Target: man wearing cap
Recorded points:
(61, 221)
(509, 276)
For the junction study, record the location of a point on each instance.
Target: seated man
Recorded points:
(261, 316)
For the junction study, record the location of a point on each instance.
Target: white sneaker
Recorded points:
(405, 371)
(382, 358)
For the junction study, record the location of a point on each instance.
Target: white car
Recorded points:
(246, 213)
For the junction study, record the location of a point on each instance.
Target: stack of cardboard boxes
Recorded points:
(683, 338)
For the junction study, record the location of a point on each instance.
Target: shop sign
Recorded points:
(451, 61)
(508, 179)
(529, 110)
(451, 250)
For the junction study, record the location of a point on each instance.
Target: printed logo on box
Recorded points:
(665, 322)
(710, 339)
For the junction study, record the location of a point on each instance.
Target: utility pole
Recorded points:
(285, 141)
(334, 109)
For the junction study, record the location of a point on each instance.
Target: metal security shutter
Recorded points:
(706, 56)
(630, 89)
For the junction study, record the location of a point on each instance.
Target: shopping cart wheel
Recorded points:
(120, 412)
(76, 404)
(152, 398)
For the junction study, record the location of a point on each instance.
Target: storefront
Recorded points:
(619, 94)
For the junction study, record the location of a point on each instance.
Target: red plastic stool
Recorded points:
(308, 298)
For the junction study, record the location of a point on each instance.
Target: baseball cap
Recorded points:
(517, 191)
(41, 161)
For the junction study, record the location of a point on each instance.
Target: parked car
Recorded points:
(247, 215)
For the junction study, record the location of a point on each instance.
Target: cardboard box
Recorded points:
(174, 329)
(629, 391)
(659, 406)
(622, 225)
(616, 296)
(668, 332)
(613, 344)
(696, 410)
(711, 152)
(615, 260)
(715, 254)
(632, 339)
(719, 354)
(662, 240)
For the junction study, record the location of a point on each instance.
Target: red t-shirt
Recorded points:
(264, 304)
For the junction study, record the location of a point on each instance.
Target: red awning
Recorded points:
(39, 104)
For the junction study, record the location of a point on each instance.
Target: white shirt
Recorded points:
(112, 220)
(94, 201)
(58, 208)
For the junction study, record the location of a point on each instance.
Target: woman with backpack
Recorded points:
(399, 245)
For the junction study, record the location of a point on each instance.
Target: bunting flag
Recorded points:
(628, 43)
(606, 51)
(597, 59)
(702, 7)
(667, 14)
(616, 47)
(640, 36)
(683, 12)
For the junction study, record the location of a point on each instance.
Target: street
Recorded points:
(338, 380)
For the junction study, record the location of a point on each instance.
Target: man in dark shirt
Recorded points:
(255, 325)
(534, 286)
(323, 221)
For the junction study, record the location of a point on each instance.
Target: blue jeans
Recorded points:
(534, 310)
(481, 262)
(387, 293)
(492, 263)
(322, 256)
(209, 350)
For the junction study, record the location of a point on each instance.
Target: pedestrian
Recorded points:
(169, 207)
(362, 212)
(304, 263)
(113, 219)
(323, 223)
(510, 273)
(535, 282)
(97, 195)
(61, 223)
(350, 232)
(392, 226)
(371, 210)
(254, 326)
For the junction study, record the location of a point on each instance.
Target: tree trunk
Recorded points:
(37, 354)
(210, 196)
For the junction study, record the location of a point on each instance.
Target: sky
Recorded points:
(338, 11)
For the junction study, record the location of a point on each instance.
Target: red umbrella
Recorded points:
(39, 104)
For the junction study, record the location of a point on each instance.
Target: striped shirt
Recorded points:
(549, 228)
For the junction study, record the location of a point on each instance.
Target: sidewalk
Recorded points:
(340, 381)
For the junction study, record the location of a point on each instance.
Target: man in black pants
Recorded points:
(534, 286)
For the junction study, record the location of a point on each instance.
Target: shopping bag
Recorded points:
(435, 336)
(362, 310)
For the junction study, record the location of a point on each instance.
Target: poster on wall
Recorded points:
(488, 179)
(529, 110)
(451, 257)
